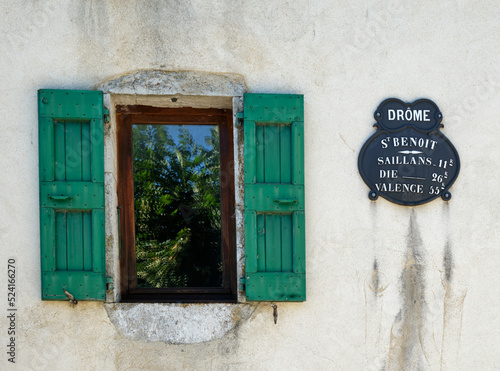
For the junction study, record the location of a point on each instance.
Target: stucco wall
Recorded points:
(388, 287)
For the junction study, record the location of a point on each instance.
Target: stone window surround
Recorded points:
(168, 322)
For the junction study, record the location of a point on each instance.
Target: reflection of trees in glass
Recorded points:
(177, 207)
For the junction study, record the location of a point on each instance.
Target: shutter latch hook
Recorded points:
(275, 312)
(70, 297)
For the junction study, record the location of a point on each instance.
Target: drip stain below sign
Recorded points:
(408, 160)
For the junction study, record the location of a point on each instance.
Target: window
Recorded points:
(176, 197)
(177, 228)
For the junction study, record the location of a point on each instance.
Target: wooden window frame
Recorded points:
(131, 115)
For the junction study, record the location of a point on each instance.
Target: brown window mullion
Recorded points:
(126, 202)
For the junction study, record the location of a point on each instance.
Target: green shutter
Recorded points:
(274, 197)
(71, 161)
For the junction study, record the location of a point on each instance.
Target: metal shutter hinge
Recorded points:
(106, 115)
(109, 283)
(239, 118)
(243, 282)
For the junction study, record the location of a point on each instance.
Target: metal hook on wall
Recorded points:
(275, 312)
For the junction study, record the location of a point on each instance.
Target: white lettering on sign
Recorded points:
(415, 142)
(400, 187)
(391, 174)
(408, 115)
(404, 160)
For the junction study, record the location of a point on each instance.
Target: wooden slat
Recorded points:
(73, 151)
(86, 151)
(275, 108)
(180, 290)
(87, 241)
(275, 286)
(46, 149)
(84, 195)
(271, 154)
(175, 120)
(97, 160)
(286, 243)
(251, 241)
(273, 243)
(61, 241)
(250, 152)
(285, 154)
(98, 240)
(75, 240)
(261, 242)
(298, 153)
(299, 242)
(47, 239)
(141, 110)
(82, 285)
(60, 150)
(70, 104)
(259, 151)
(265, 197)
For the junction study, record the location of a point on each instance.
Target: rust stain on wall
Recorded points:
(405, 351)
(412, 340)
(375, 281)
(455, 292)
(448, 262)
(453, 304)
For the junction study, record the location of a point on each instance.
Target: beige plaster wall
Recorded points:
(389, 287)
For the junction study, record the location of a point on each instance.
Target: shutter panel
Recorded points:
(274, 197)
(71, 161)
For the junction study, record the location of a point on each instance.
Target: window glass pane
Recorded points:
(177, 205)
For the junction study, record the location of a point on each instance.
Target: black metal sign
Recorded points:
(408, 160)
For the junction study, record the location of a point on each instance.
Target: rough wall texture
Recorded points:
(177, 323)
(170, 83)
(388, 287)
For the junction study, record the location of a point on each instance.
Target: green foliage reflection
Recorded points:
(177, 206)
